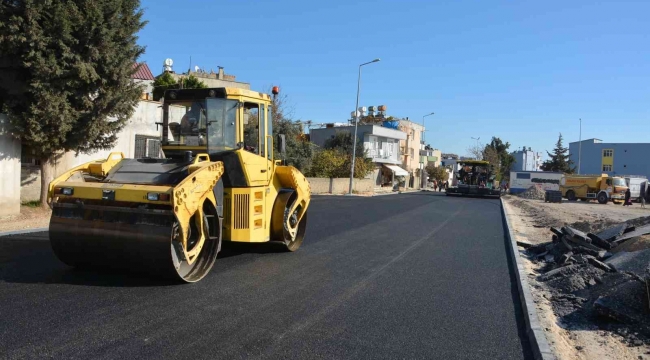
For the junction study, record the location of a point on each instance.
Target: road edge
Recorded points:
(20, 232)
(536, 336)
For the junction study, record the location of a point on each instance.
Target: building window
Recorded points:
(607, 167)
(608, 153)
(523, 176)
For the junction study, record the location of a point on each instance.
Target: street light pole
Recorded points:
(580, 147)
(423, 182)
(477, 146)
(356, 123)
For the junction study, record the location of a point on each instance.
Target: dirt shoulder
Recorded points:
(569, 338)
(29, 218)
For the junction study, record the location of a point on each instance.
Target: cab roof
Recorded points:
(473, 162)
(175, 95)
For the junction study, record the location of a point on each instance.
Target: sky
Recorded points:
(524, 71)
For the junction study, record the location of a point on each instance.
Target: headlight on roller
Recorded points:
(157, 197)
(64, 191)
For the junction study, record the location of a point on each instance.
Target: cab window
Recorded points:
(251, 127)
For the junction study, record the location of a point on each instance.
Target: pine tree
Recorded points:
(66, 73)
(559, 160)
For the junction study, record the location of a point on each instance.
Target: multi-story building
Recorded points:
(211, 79)
(596, 157)
(431, 156)
(526, 160)
(381, 144)
(410, 150)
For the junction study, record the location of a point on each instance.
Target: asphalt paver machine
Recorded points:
(474, 178)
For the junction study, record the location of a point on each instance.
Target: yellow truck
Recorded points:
(593, 187)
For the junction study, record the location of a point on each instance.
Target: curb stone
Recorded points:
(21, 232)
(536, 336)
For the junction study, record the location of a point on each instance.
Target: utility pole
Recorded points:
(477, 145)
(580, 147)
(423, 182)
(356, 123)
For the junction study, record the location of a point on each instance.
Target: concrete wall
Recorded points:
(9, 170)
(142, 122)
(628, 159)
(30, 183)
(340, 185)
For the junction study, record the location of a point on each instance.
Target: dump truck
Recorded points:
(593, 187)
(220, 180)
(474, 178)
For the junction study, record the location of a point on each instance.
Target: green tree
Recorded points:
(299, 150)
(335, 163)
(490, 155)
(343, 140)
(437, 173)
(66, 73)
(505, 159)
(559, 160)
(163, 82)
(192, 82)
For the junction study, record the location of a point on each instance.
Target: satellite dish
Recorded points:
(196, 68)
(167, 65)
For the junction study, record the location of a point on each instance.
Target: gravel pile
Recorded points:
(532, 192)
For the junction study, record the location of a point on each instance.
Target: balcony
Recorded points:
(383, 156)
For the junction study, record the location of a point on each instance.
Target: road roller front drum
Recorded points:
(135, 240)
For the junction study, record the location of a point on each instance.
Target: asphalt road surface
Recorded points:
(403, 276)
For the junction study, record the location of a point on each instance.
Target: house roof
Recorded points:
(143, 72)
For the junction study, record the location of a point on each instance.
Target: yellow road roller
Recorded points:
(218, 180)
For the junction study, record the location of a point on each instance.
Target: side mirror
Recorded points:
(281, 142)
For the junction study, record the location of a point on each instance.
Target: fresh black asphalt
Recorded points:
(410, 276)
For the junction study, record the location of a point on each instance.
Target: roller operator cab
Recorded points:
(219, 180)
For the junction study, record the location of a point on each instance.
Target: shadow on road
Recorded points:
(230, 249)
(29, 259)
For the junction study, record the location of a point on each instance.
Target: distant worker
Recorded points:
(627, 198)
(643, 194)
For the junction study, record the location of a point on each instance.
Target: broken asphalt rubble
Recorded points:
(592, 281)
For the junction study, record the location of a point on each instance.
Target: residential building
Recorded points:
(596, 157)
(526, 160)
(432, 156)
(213, 79)
(144, 77)
(410, 150)
(381, 144)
